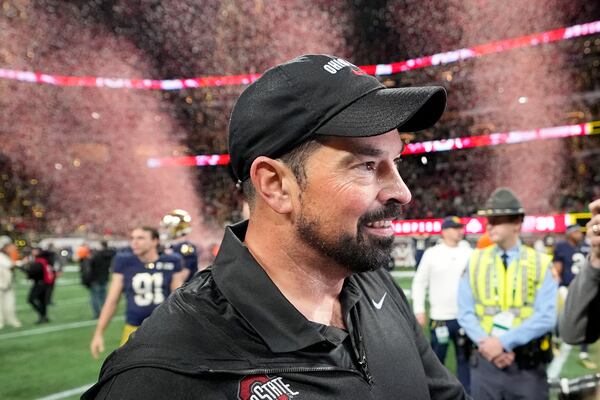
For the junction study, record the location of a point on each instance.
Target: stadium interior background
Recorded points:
(74, 158)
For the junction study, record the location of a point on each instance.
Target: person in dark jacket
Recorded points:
(580, 321)
(50, 255)
(42, 275)
(99, 269)
(296, 304)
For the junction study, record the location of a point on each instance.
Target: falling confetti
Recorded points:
(74, 159)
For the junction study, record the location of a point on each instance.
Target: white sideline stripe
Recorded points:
(56, 328)
(65, 281)
(403, 274)
(77, 300)
(67, 393)
(71, 268)
(556, 366)
(59, 282)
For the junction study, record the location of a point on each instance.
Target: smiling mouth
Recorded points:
(381, 228)
(382, 224)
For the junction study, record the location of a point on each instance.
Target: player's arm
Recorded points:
(180, 274)
(557, 267)
(179, 278)
(185, 273)
(108, 311)
(419, 287)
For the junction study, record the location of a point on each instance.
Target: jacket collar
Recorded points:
(248, 288)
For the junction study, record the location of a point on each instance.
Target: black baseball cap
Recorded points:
(312, 95)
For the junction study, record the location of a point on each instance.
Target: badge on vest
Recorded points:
(502, 323)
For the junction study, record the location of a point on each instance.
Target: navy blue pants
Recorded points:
(462, 355)
(98, 295)
(510, 383)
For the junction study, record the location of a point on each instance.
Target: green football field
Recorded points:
(52, 361)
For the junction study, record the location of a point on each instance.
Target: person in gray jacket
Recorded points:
(580, 320)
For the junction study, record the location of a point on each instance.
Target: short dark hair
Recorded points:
(295, 160)
(153, 231)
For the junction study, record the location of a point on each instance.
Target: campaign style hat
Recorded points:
(502, 202)
(452, 222)
(321, 95)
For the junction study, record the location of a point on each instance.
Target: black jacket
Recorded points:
(100, 265)
(231, 334)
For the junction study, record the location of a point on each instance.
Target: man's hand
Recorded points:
(97, 345)
(421, 319)
(504, 360)
(593, 234)
(490, 348)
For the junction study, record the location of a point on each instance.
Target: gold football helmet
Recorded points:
(176, 224)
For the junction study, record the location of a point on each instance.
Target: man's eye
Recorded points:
(369, 165)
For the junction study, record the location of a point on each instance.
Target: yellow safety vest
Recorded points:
(497, 289)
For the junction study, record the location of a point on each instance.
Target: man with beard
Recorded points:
(296, 304)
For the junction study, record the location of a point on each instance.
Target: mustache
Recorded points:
(388, 211)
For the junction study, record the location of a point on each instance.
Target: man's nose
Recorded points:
(393, 188)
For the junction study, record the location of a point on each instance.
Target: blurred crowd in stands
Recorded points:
(449, 183)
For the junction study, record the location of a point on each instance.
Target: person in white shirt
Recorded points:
(439, 272)
(7, 292)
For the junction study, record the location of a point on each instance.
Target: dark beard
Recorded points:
(359, 254)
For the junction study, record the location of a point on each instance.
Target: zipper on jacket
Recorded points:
(362, 361)
(359, 347)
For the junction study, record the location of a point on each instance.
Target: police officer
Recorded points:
(507, 306)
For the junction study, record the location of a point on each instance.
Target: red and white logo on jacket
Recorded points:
(264, 387)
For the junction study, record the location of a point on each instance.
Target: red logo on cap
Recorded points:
(265, 387)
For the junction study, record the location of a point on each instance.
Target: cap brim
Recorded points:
(408, 109)
(453, 226)
(500, 212)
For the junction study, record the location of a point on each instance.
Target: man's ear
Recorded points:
(272, 179)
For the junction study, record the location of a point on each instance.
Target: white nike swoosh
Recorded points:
(379, 304)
